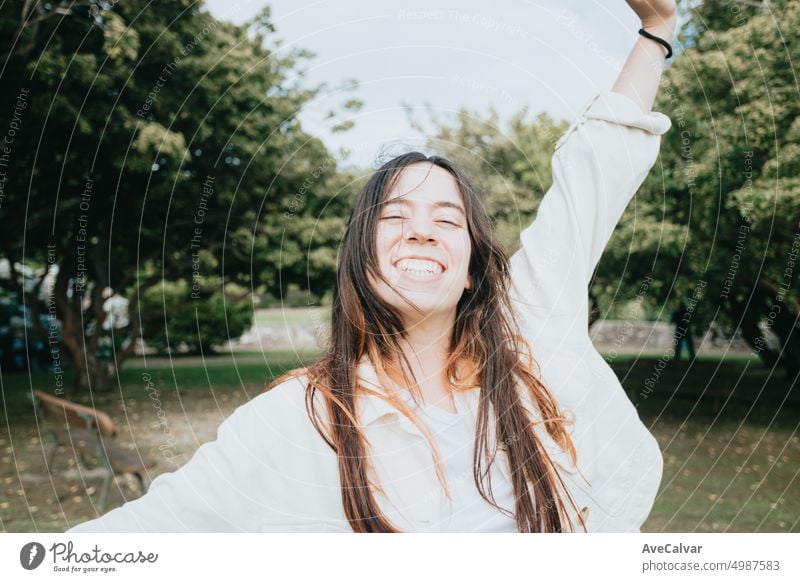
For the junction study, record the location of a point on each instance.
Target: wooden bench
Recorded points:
(90, 433)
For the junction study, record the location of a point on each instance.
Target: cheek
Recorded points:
(462, 251)
(386, 235)
(384, 242)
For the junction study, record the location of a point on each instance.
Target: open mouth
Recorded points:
(422, 269)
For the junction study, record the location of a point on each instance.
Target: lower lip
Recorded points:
(427, 278)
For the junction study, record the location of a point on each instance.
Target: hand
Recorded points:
(654, 13)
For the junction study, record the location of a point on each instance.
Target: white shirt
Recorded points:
(269, 469)
(454, 434)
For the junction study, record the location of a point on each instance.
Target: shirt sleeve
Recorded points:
(598, 164)
(210, 493)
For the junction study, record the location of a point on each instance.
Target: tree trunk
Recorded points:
(82, 316)
(90, 373)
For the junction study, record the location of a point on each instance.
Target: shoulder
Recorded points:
(284, 399)
(280, 412)
(285, 393)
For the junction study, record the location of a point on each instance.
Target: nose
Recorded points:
(419, 229)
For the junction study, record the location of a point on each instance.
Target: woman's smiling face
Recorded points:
(423, 242)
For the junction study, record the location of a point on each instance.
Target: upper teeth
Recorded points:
(419, 266)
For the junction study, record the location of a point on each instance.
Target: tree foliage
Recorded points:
(154, 143)
(720, 218)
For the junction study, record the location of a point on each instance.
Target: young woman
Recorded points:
(460, 390)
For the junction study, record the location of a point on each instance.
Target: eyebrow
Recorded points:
(439, 204)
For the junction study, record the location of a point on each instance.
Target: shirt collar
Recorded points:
(371, 407)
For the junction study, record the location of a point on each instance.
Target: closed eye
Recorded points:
(450, 222)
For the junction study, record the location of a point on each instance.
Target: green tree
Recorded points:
(172, 322)
(718, 217)
(152, 143)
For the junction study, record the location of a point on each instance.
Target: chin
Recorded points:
(428, 308)
(432, 300)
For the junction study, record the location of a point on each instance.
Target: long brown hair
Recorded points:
(487, 350)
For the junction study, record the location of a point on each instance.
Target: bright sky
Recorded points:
(548, 55)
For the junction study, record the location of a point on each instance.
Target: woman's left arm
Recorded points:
(598, 164)
(642, 70)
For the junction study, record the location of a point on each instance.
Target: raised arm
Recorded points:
(598, 164)
(641, 73)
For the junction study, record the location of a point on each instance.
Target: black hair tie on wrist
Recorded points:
(661, 41)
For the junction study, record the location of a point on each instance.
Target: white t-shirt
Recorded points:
(469, 511)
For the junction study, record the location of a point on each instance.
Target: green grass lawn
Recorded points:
(251, 371)
(728, 359)
(279, 317)
(727, 430)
